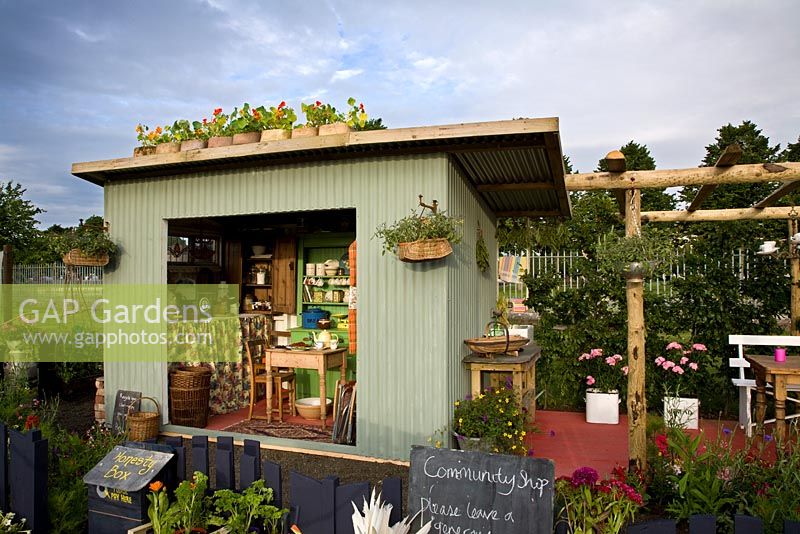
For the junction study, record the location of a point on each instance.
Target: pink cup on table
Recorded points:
(780, 355)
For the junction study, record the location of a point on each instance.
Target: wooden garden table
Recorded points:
(522, 368)
(781, 375)
(319, 360)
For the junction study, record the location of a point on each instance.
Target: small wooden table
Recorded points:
(521, 367)
(780, 374)
(320, 360)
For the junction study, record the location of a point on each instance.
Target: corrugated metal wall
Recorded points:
(405, 353)
(471, 294)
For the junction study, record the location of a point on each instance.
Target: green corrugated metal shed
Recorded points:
(412, 317)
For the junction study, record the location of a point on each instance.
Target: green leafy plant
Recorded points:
(603, 372)
(644, 254)
(590, 505)
(278, 118)
(481, 252)
(183, 130)
(238, 511)
(219, 126)
(247, 119)
(162, 516)
(90, 238)
(9, 525)
(357, 116)
(319, 114)
(496, 414)
(156, 136)
(415, 227)
(189, 503)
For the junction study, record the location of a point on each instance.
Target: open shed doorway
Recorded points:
(293, 273)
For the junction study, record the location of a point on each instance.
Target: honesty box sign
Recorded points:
(126, 469)
(121, 322)
(464, 492)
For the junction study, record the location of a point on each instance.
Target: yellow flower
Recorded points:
(506, 400)
(509, 423)
(513, 447)
(460, 420)
(438, 444)
(501, 410)
(481, 396)
(523, 433)
(457, 403)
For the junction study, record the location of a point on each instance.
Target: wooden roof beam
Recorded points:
(529, 213)
(735, 214)
(729, 157)
(661, 179)
(781, 192)
(516, 186)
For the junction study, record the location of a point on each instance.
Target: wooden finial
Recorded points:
(615, 161)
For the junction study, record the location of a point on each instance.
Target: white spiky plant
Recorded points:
(374, 519)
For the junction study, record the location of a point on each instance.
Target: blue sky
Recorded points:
(77, 76)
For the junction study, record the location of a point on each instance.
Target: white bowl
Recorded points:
(308, 408)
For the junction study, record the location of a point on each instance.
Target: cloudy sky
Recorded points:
(76, 76)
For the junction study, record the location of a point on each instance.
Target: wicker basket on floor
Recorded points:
(190, 377)
(189, 407)
(424, 250)
(143, 426)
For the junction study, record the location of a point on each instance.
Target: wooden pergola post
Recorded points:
(795, 288)
(634, 292)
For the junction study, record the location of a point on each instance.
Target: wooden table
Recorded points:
(522, 368)
(781, 375)
(320, 360)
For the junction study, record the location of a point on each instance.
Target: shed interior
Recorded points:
(289, 266)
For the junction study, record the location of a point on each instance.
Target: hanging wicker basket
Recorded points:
(424, 250)
(143, 426)
(496, 344)
(78, 258)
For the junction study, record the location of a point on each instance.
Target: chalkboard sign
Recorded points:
(127, 469)
(474, 492)
(125, 403)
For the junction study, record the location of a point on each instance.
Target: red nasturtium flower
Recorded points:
(361, 106)
(31, 422)
(282, 104)
(205, 121)
(256, 115)
(217, 111)
(318, 103)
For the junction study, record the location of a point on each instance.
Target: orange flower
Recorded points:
(139, 129)
(295, 530)
(156, 486)
(256, 115)
(158, 130)
(217, 111)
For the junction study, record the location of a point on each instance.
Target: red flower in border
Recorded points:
(318, 103)
(282, 104)
(217, 111)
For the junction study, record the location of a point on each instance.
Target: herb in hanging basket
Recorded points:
(421, 238)
(635, 256)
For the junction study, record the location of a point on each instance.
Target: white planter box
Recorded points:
(602, 408)
(681, 412)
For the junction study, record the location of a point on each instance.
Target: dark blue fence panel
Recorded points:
(271, 474)
(392, 492)
(176, 442)
(658, 526)
(249, 463)
(745, 524)
(702, 524)
(199, 455)
(3, 467)
(312, 502)
(345, 497)
(224, 461)
(28, 475)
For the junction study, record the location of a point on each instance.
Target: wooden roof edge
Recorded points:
(93, 170)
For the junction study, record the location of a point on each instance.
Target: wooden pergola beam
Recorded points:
(734, 214)
(661, 179)
(779, 193)
(729, 157)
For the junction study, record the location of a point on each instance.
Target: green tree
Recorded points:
(638, 158)
(791, 152)
(17, 218)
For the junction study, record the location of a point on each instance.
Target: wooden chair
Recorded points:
(258, 375)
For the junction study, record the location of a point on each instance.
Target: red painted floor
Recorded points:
(564, 437)
(571, 442)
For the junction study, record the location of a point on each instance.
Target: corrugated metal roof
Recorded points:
(516, 166)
